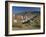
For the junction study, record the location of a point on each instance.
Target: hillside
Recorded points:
(32, 23)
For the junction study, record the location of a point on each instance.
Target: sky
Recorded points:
(17, 9)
